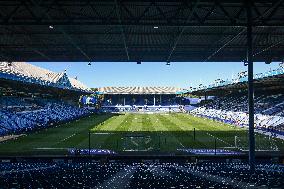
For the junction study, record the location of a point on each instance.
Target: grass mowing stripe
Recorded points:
(124, 126)
(52, 137)
(128, 124)
(221, 132)
(186, 141)
(175, 130)
(165, 137)
(80, 133)
(156, 124)
(119, 123)
(111, 124)
(147, 124)
(137, 124)
(228, 132)
(80, 138)
(183, 125)
(167, 122)
(168, 125)
(200, 128)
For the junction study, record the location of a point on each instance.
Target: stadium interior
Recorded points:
(56, 132)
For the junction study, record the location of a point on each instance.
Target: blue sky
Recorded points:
(178, 74)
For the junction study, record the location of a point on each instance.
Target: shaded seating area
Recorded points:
(140, 175)
(21, 116)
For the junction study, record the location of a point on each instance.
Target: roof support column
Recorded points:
(250, 85)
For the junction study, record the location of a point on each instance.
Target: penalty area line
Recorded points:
(66, 138)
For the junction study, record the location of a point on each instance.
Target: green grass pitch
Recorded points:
(122, 133)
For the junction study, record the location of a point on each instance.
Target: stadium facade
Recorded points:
(140, 96)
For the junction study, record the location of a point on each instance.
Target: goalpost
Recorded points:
(124, 141)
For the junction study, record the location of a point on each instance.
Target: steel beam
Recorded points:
(194, 7)
(73, 14)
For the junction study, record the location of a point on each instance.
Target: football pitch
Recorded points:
(137, 133)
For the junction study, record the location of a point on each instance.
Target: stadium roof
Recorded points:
(11, 87)
(30, 71)
(264, 84)
(148, 30)
(139, 90)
